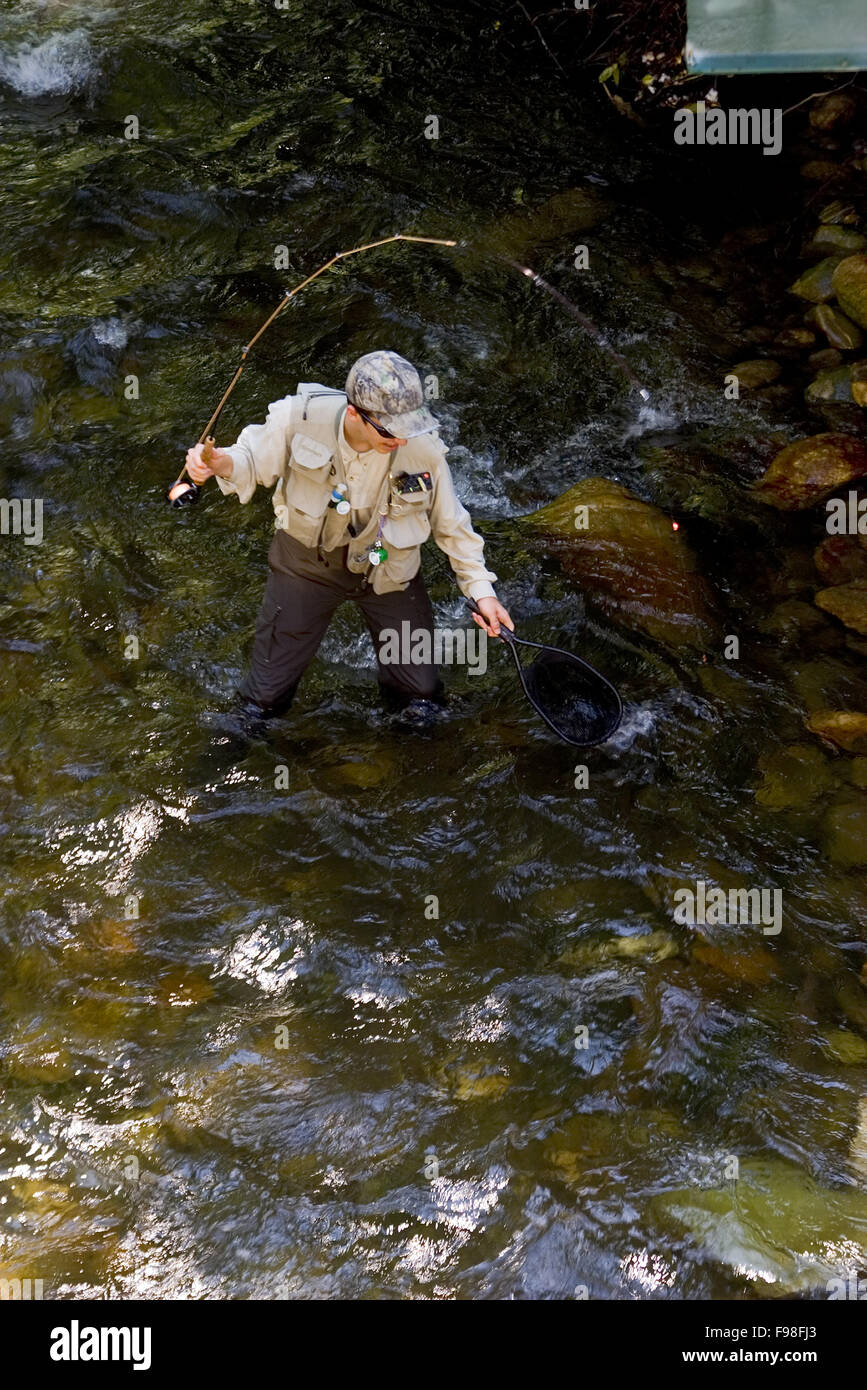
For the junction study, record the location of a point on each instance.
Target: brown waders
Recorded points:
(304, 589)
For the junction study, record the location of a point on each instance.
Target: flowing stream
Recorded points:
(320, 1033)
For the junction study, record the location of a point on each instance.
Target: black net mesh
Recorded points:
(582, 707)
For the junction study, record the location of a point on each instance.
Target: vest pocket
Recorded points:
(403, 534)
(409, 528)
(307, 492)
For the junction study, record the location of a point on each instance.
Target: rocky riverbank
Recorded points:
(804, 365)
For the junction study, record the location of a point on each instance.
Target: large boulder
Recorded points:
(807, 471)
(631, 558)
(849, 281)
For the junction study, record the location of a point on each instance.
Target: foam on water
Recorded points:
(649, 419)
(110, 332)
(637, 720)
(60, 64)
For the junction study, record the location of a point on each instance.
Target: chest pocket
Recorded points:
(408, 522)
(307, 487)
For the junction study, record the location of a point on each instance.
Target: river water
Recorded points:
(319, 1033)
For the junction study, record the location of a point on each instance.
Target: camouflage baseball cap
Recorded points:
(389, 388)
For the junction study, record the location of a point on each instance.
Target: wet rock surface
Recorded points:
(627, 555)
(810, 469)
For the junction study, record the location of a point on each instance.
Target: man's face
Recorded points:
(375, 440)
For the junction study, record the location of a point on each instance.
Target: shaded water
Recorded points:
(284, 1076)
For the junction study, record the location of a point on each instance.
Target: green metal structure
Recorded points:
(730, 36)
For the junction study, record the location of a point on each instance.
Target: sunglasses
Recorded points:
(386, 434)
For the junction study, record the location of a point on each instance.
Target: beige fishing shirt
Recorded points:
(302, 449)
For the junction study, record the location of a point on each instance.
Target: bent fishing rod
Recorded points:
(184, 493)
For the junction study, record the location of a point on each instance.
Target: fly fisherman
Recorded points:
(361, 481)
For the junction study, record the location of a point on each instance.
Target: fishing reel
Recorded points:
(184, 492)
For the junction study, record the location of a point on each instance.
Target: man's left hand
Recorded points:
(493, 614)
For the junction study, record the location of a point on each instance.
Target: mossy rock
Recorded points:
(837, 241)
(629, 558)
(817, 283)
(848, 602)
(833, 385)
(755, 373)
(840, 728)
(747, 967)
(652, 946)
(807, 471)
(849, 282)
(840, 331)
(363, 774)
(475, 1081)
(848, 1048)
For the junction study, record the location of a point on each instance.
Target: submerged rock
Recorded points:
(775, 1226)
(845, 833)
(808, 470)
(841, 728)
(849, 280)
(756, 967)
(629, 557)
(858, 1146)
(574, 210)
(816, 284)
(845, 1047)
(848, 602)
(653, 946)
(758, 371)
(841, 332)
(793, 777)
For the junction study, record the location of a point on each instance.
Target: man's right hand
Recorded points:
(221, 464)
